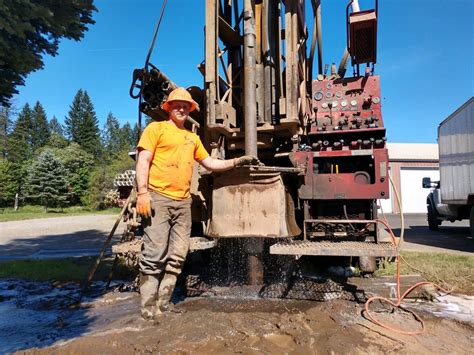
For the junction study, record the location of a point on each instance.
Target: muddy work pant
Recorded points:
(166, 237)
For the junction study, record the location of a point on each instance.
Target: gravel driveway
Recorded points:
(56, 237)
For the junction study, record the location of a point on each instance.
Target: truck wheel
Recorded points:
(471, 221)
(432, 220)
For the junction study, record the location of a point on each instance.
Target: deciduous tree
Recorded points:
(77, 164)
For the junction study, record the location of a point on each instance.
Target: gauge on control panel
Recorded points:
(353, 102)
(318, 96)
(338, 94)
(376, 99)
(329, 86)
(335, 104)
(343, 103)
(324, 105)
(328, 95)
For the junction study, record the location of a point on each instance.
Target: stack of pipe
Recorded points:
(125, 179)
(157, 88)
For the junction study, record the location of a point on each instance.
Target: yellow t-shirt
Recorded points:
(174, 152)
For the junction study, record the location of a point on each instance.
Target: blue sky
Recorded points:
(425, 58)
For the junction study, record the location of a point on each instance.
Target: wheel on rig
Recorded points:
(433, 222)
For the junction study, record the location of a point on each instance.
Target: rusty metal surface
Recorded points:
(345, 184)
(336, 248)
(251, 206)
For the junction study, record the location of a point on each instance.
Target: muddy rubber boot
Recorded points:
(165, 292)
(148, 291)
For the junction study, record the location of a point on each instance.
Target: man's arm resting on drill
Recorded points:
(142, 169)
(213, 164)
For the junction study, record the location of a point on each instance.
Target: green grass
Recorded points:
(63, 270)
(441, 268)
(34, 212)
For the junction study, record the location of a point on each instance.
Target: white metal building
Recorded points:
(408, 164)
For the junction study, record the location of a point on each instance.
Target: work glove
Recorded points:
(144, 204)
(246, 160)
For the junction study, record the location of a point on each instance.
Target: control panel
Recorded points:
(346, 104)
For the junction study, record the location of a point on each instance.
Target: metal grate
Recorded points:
(336, 248)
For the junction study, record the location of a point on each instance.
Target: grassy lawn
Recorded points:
(33, 212)
(63, 270)
(441, 268)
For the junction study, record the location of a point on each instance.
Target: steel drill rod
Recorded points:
(250, 100)
(104, 248)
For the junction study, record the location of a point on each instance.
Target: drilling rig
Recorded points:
(318, 132)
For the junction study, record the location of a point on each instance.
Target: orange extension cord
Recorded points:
(400, 297)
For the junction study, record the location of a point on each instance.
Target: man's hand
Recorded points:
(144, 204)
(246, 160)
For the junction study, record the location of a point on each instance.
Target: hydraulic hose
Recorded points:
(400, 297)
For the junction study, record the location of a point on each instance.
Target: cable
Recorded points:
(155, 34)
(145, 69)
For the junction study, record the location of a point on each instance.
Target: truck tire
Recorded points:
(433, 223)
(471, 221)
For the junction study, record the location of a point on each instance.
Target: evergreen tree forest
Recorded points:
(53, 164)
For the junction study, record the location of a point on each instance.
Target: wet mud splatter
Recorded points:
(42, 318)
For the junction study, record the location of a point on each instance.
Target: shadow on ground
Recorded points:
(450, 236)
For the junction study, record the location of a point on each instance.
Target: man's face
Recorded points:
(179, 111)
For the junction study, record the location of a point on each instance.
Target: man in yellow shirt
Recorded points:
(167, 152)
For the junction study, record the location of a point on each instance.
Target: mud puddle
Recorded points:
(38, 314)
(40, 317)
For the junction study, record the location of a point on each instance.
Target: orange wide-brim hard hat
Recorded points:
(179, 94)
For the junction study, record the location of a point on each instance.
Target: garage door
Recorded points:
(413, 194)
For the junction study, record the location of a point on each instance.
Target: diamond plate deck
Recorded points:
(335, 248)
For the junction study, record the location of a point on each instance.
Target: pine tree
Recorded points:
(128, 139)
(46, 183)
(111, 136)
(40, 132)
(56, 127)
(8, 184)
(19, 141)
(5, 128)
(82, 125)
(136, 134)
(73, 120)
(56, 139)
(89, 138)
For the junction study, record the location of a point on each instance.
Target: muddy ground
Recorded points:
(46, 321)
